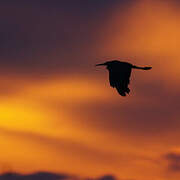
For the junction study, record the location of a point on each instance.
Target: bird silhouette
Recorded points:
(119, 74)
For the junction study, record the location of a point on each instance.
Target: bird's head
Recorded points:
(103, 64)
(109, 64)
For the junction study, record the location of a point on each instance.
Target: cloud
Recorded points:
(173, 159)
(51, 176)
(48, 35)
(35, 176)
(62, 152)
(110, 177)
(157, 113)
(107, 177)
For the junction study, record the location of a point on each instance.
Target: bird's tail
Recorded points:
(143, 68)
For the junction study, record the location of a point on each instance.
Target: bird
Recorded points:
(119, 74)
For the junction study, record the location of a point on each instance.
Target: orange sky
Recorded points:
(59, 114)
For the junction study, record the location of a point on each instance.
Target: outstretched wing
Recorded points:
(119, 78)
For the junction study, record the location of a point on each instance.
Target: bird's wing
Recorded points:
(120, 78)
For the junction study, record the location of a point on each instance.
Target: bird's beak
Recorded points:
(101, 64)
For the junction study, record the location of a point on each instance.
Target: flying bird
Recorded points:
(119, 74)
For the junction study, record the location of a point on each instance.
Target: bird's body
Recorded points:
(119, 75)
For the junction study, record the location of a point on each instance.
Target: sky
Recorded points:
(58, 113)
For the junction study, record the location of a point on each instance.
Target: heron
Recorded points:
(119, 74)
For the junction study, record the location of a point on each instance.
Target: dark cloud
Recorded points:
(107, 177)
(50, 176)
(110, 177)
(35, 176)
(173, 159)
(44, 35)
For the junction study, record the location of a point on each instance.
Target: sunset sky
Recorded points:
(58, 113)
